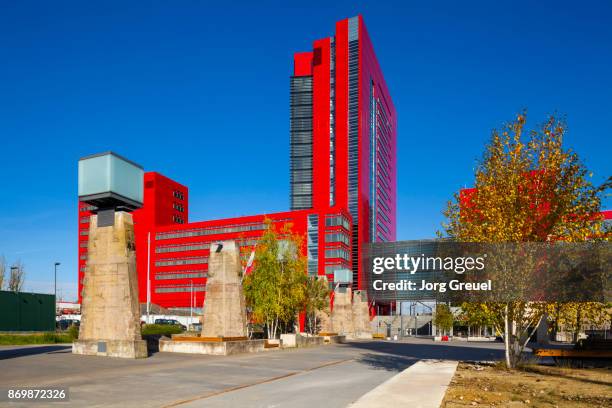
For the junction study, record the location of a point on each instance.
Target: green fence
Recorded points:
(26, 312)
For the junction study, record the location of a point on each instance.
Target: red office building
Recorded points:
(343, 136)
(343, 181)
(179, 253)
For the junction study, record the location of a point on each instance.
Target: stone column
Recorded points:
(110, 313)
(342, 315)
(224, 312)
(361, 315)
(324, 321)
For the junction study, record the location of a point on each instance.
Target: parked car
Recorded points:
(170, 322)
(65, 324)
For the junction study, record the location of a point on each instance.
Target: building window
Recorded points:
(182, 261)
(337, 221)
(183, 275)
(337, 253)
(180, 248)
(337, 237)
(313, 244)
(175, 289)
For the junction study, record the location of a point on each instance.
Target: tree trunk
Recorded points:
(507, 337)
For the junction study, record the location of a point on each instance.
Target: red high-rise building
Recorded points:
(343, 180)
(343, 136)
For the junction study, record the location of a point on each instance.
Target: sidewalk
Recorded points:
(421, 385)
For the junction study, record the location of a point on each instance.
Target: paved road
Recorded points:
(328, 376)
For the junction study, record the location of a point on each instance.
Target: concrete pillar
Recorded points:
(342, 314)
(324, 319)
(361, 315)
(224, 313)
(110, 313)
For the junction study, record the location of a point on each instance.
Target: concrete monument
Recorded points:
(110, 313)
(224, 312)
(110, 322)
(224, 329)
(361, 315)
(342, 314)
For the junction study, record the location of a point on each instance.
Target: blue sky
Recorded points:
(200, 94)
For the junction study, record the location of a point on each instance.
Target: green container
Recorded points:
(26, 311)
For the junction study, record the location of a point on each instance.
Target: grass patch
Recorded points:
(41, 338)
(530, 386)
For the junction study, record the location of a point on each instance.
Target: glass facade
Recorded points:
(313, 244)
(300, 142)
(353, 136)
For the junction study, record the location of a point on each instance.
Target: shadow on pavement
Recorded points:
(406, 353)
(29, 351)
(386, 362)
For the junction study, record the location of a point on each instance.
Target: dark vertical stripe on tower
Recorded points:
(353, 139)
(301, 142)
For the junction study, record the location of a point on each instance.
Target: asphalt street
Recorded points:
(326, 376)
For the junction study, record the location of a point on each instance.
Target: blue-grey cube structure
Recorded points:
(343, 276)
(109, 181)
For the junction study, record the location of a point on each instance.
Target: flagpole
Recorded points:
(148, 276)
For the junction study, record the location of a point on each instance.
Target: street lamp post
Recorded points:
(55, 265)
(12, 269)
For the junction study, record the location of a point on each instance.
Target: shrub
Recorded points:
(73, 332)
(161, 329)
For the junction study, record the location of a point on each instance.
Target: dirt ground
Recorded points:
(532, 386)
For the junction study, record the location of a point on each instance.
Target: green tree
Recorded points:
(275, 290)
(444, 318)
(531, 190)
(316, 301)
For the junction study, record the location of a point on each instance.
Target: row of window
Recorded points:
(184, 275)
(182, 261)
(337, 221)
(209, 231)
(181, 248)
(178, 207)
(178, 194)
(87, 208)
(177, 219)
(337, 253)
(313, 244)
(337, 237)
(176, 289)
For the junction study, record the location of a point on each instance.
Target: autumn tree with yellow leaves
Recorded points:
(528, 188)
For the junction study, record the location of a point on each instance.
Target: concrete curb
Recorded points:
(421, 385)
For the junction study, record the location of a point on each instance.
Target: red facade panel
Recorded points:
(320, 123)
(302, 63)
